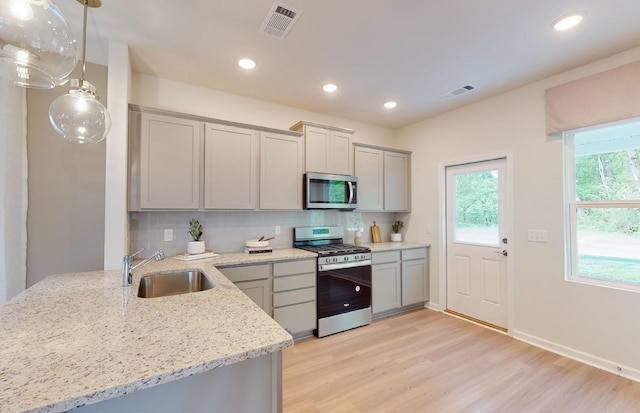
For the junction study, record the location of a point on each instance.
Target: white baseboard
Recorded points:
(591, 360)
(433, 306)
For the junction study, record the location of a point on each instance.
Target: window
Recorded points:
(476, 207)
(602, 172)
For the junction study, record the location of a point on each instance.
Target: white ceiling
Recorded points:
(411, 51)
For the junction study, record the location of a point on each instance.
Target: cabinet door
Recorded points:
(385, 279)
(298, 318)
(281, 169)
(169, 162)
(316, 149)
(259, 292)
(339, 155)
(230, 167)
(397, 183)
(369, 170)
(414, 282)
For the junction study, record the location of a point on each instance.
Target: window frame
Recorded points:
(571, 206)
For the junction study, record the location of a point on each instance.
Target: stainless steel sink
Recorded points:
(173, 283)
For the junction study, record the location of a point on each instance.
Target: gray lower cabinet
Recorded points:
(294, 296)
(254, 281)
(386, 281)
(415, 287)
(284, 289)
(399, 278)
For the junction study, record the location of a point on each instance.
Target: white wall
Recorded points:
(116, 223)
(598, 325)
(13, 190)
(181, 97)
(66, 190)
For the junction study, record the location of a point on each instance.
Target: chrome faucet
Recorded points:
(127, 269)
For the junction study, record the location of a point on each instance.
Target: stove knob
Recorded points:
(346, 258)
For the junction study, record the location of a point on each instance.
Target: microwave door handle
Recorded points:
(350, 192)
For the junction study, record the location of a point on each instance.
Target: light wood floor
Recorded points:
(425, 361)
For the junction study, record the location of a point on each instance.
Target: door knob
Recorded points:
(503, 252)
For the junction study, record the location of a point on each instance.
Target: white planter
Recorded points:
(195, 247)
(396, 237)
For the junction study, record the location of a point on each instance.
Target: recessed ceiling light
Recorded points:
(329, 87)
(390, 105)
(247, 64)
(568, 21)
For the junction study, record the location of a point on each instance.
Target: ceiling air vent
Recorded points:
(280, 20)
(458, 92)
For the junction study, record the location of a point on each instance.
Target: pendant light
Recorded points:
(37, 47)
(79, 116)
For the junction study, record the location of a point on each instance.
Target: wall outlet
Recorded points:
(168, 235)
(277, 229)
(538, 235)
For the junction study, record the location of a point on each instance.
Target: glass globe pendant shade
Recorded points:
(37, 47)
(79, 116)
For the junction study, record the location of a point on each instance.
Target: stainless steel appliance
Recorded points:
(343, 290)
(327, 191)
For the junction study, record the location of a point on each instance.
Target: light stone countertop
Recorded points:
(390, 246)
(75, 339)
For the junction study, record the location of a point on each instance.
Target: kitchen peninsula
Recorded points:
(84, 341)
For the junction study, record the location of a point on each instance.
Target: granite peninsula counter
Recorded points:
(76, 339)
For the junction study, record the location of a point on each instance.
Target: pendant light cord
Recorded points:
(84, 41)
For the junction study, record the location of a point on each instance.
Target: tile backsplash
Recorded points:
(227, 231)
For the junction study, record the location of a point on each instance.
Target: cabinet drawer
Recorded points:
(246, 272)
(294, 297)
(294, 282)
(414, 254)
(294, 267)
(386, 256)
(296, 318)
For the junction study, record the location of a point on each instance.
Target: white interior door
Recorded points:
(477, 241)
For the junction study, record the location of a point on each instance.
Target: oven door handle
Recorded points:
(341, 265)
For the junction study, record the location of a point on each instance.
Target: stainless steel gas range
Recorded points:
(343, 291)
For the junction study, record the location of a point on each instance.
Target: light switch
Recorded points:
(277, 229)
(538, 235)
(168, 234)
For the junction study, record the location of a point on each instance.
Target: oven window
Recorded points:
(344, 290)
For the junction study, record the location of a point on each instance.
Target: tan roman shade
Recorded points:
(604, 97)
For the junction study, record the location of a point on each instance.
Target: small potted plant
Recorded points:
(195, 230)
(396, 227)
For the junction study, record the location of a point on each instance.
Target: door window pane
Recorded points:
(476, 206)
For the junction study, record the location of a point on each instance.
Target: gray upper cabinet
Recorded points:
(397, 181)
(230, 167)
(384, 178)
(369, 168)
(327, 149)
(281, 169)
(164, 162)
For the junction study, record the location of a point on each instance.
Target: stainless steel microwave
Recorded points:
(327, 191)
